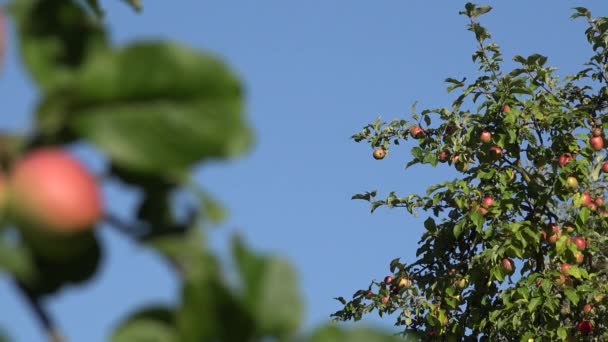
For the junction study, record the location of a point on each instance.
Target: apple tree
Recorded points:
(516, 247)
(151, 110)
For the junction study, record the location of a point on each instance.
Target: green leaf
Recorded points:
(56, 38)
(534, 302)
(209, 311)
(158, 108)
(149, 325)
(562, 333)
(270, 292)
(15, 260)
(572, 295)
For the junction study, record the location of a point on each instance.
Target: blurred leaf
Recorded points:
(270, 291)
(94, 5)
(4, 336)
(56, 38)
(209, 312)
(336, 334)
(149, 325)
(158, 108)
(15, 260)
(135, 4)
(60, 261)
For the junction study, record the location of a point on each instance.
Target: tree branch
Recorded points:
(50, 328)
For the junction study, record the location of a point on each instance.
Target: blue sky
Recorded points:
(315, 72)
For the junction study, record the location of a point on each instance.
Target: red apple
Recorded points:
(585, 327)
(388, 279)
(487, 201)
(597, 143)
(416, 132)
(52, 190)
(592, 206)
(505, 108)
(564, 268)
(586, 199)
(580, 243)
(507, 266)
(596, 131)
(605, 167)
(599, 201)
(587, 308)
(384, 300)
(485, 137)
(564, 159)
(379, 153)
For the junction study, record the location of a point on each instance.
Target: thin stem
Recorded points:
(52, 332)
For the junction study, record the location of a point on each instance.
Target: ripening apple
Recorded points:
(384, 300)
(507, 266)
(443, 156)
(379, 153)
(505, 108)
(587, 308)
(561, 280)
(579, 257)
(596, 131)
(599, 201)
(580, 243)
(597, 143)
(481, 211)
(592, 206)
(495, 152)
(462, 283)
(553, 232)
(563, 160)
(585, 327)
(605, 167)
(416, 131)
(569, 227)
(53, 191)
(405, 282)
(572, 182)
(485, 137)
(564, 268)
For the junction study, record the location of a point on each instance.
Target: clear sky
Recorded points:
(315, 71)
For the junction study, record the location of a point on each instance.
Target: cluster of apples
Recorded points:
(51, 191)
(417, 132)
(394, 284)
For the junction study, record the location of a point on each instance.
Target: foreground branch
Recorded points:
(51, 330)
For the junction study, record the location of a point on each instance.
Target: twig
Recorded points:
(50, 328)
